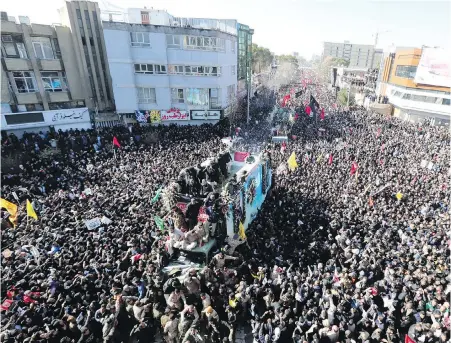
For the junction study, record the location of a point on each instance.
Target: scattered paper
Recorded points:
(93, 224)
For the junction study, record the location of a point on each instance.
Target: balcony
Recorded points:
(28, 98)
(17, 64)
(58, 96)
(54, 64)
(42, 30)
(10, 27)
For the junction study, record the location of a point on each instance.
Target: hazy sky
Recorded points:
(285, 26)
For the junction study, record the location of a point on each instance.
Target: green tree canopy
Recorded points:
(261, 58)
(342, 97)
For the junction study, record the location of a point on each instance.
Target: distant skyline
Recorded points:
(294, 25)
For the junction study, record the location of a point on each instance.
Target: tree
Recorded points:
(288, 59)
(343, 98)
(261, 58)
(329, 62)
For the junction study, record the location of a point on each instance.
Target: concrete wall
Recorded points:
(122, 57)
(76, 83)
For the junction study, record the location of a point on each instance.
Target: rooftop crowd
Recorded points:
(351, 246)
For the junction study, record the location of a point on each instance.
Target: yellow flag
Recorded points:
(232, 303)
(241, 232)
(12, 210)
(399, 195)
(292, 164)
(30, 210)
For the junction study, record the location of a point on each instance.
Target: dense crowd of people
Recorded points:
(350, 246)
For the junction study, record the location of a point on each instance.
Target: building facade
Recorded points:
(412, 100)
(83, 20)
(39, 77)
(175, 72)
(244, 58)
(358, 55)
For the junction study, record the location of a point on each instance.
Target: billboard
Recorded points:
(174, 114)
(434, 68)
(205, 115)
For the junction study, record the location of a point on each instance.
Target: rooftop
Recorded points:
(151, 16)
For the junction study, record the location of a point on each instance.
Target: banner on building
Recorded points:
(155, 116)
(434, 68)
(174, 114)
(205, 115)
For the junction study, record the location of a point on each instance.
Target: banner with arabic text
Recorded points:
(174, 115)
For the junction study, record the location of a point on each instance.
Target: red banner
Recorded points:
(6, 305)
(174, 114)
(240, 156)
(408, 340)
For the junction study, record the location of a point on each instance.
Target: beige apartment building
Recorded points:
(38, 69)
(60, 67)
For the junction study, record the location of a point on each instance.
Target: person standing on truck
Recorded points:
(219, 260)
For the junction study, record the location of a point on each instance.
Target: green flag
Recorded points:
(159, 222)
(156, 197)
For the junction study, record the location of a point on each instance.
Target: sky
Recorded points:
(287, 26)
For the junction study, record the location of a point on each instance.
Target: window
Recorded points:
(24, 118)
(215, 98)
(25, 82)
(54, 82)
(431, 100)
(160, 69)
(421, 98)
(232, 42)
(188, 70)
(177, 96)
(197, 96)
(144, 68)
(42, 48)
(204, 43)
(140, 39)
(446, 102)
(88, 23)
(175, 69)
(56, 48)
(150, 69)
(145, 18)
(13, 46)
(233, 70)
(173, 41)
(407, 72)
(146, 95)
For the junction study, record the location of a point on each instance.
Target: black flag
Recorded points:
(313, 104)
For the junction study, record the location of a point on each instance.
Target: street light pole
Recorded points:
(248, 92)
(349, 93)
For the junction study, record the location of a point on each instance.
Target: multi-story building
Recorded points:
(244, 60)
(417, 83)
(41, 88)
(358, 55)
(177, 69)
(84, 22)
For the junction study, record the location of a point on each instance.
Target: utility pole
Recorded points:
(249, 85)
(349, 94)
(376, 38)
